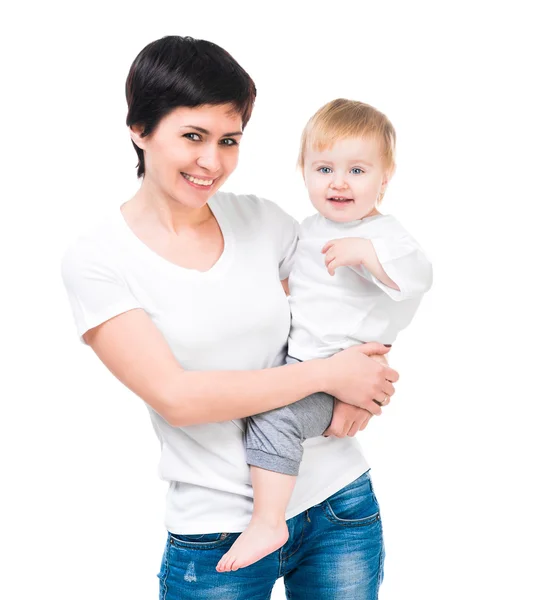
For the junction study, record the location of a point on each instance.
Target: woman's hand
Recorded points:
(347, 420)
(355, 378)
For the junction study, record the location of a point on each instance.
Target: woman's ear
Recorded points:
(136, 132)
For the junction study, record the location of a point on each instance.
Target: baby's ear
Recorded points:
(391, 172)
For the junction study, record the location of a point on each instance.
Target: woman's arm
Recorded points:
(135, 351)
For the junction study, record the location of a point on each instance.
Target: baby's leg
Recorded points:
(267, 530)
(274, 451)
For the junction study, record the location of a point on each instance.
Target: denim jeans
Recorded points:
(335, 551)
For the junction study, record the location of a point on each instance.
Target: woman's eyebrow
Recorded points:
(206, 132)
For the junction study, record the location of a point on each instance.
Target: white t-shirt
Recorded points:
(331, 313)
(233, 317)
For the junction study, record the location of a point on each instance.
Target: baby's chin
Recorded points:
(344, 213)
(340, 216)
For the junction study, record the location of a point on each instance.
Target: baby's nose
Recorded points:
(338, 182)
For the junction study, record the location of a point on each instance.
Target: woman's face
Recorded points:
(191, 152)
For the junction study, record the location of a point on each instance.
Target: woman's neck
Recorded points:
(151, 205)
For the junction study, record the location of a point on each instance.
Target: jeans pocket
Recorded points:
(199, 540)
(353, 505)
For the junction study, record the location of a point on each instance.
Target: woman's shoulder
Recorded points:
(98, 242)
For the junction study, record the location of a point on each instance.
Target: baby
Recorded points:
(358, 277)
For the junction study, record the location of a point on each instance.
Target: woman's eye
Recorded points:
(357, 171)
(324, 170)
(189, 136)
(229, 142)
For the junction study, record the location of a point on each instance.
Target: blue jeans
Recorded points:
(335, 551)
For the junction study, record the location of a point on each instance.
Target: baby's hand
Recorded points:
(347, 420)
(345, 252)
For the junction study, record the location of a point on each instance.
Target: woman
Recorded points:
(179, 293)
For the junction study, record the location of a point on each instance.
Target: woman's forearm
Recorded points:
(210, 396)
(135, 351)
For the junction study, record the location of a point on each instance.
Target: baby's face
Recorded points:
(345, 180)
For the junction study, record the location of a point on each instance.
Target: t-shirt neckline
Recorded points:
(217, 269)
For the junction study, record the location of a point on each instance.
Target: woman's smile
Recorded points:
(199, 182)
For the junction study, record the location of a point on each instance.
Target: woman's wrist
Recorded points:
(326, 375)
(318, 375)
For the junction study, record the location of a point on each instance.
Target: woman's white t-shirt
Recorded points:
(233, 317)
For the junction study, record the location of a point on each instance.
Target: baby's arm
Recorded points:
(395, 264)
(355, 252)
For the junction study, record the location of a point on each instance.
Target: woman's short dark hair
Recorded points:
(181, 71)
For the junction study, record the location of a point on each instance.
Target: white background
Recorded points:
(460, 458)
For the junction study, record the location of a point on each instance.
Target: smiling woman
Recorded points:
(178, 291)
(167, 74)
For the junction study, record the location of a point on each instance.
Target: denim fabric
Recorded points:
(335, 551)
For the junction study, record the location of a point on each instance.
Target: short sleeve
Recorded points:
(288, 248)
(96, 290)
(285, 229)
(405, 263)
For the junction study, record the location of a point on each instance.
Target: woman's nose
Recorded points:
(209, 157)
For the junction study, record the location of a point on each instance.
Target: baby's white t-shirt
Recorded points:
(331, 313)
(233, 317)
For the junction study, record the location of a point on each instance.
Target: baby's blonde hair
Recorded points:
(340, 119)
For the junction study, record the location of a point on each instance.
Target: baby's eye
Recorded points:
(193, 139)
(324, 170)
(357, 171)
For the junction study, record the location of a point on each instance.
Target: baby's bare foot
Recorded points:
(259, 539)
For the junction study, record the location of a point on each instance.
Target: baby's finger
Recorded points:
(327, 246)
(346, 428)
(365, 422)
(354, 429)
(334, 264)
